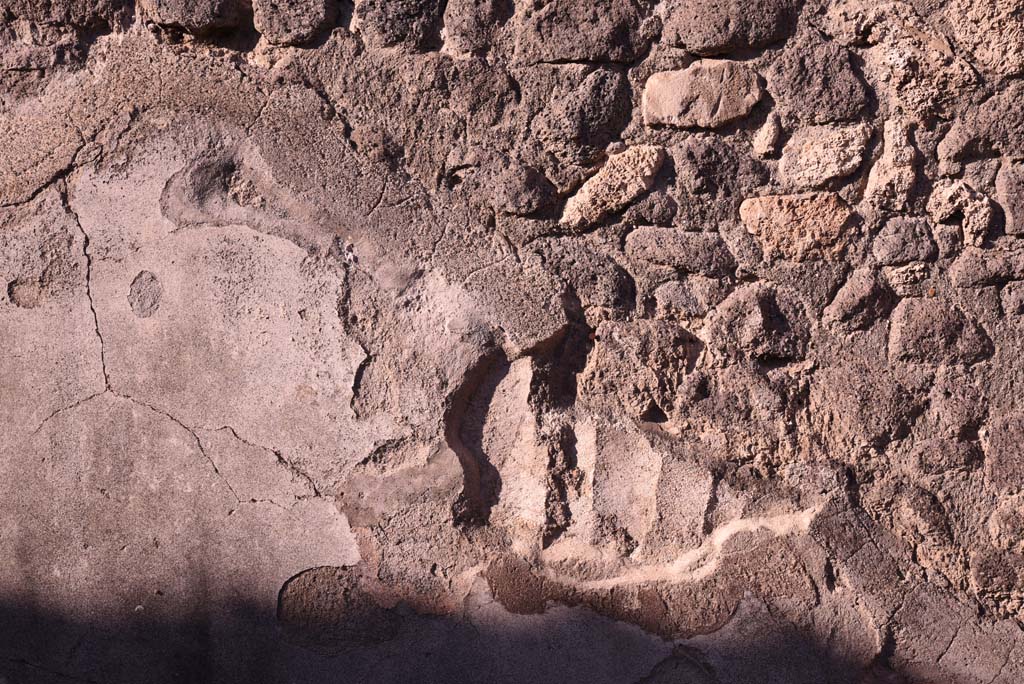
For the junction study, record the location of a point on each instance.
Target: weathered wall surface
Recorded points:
(512, 341)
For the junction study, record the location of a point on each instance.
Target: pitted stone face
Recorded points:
(144, 294)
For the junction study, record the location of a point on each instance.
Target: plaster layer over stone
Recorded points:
(614, 341)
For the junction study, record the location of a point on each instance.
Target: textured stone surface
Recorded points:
(710, 28)
(953, 200)
(621, 180)
(818, 154)
(290, 23)
(815, 82)
(903, 240)
(706, 94)
(991, 32)
(196, 17)
(611, 341)
(893, 177)
(798, 227)
(1010, 193)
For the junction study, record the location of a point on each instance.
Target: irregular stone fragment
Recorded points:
(805, 227)
(624, 469)
(903, 240)
(522, 190)
(736, 408)
(470, 24)
(861, 301)
(196, 17)
(1003, 464)
(1010, 193)
(712, 176)
(712, 28)
(635, 366)
(948, 238)
(511, 441)
(926, 330)
(894, 174)
(327, 608)
(684, 488)
(706, 94)
(919, 515)
(958, 406)
(531, 313)
(976, 267)
(940, 455)
(578, 126)
(987, 128)
(694, 296)
(950, 198)
(622, 179)
(817, 154)
(616, 32)
(290, 22)
(412, 24)
(906, 281)
(996, 577)
(761, 322)
(766, 140)
(816, 83)
(701, 253)
(595, 277)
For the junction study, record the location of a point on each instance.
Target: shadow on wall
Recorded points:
(243, 643)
